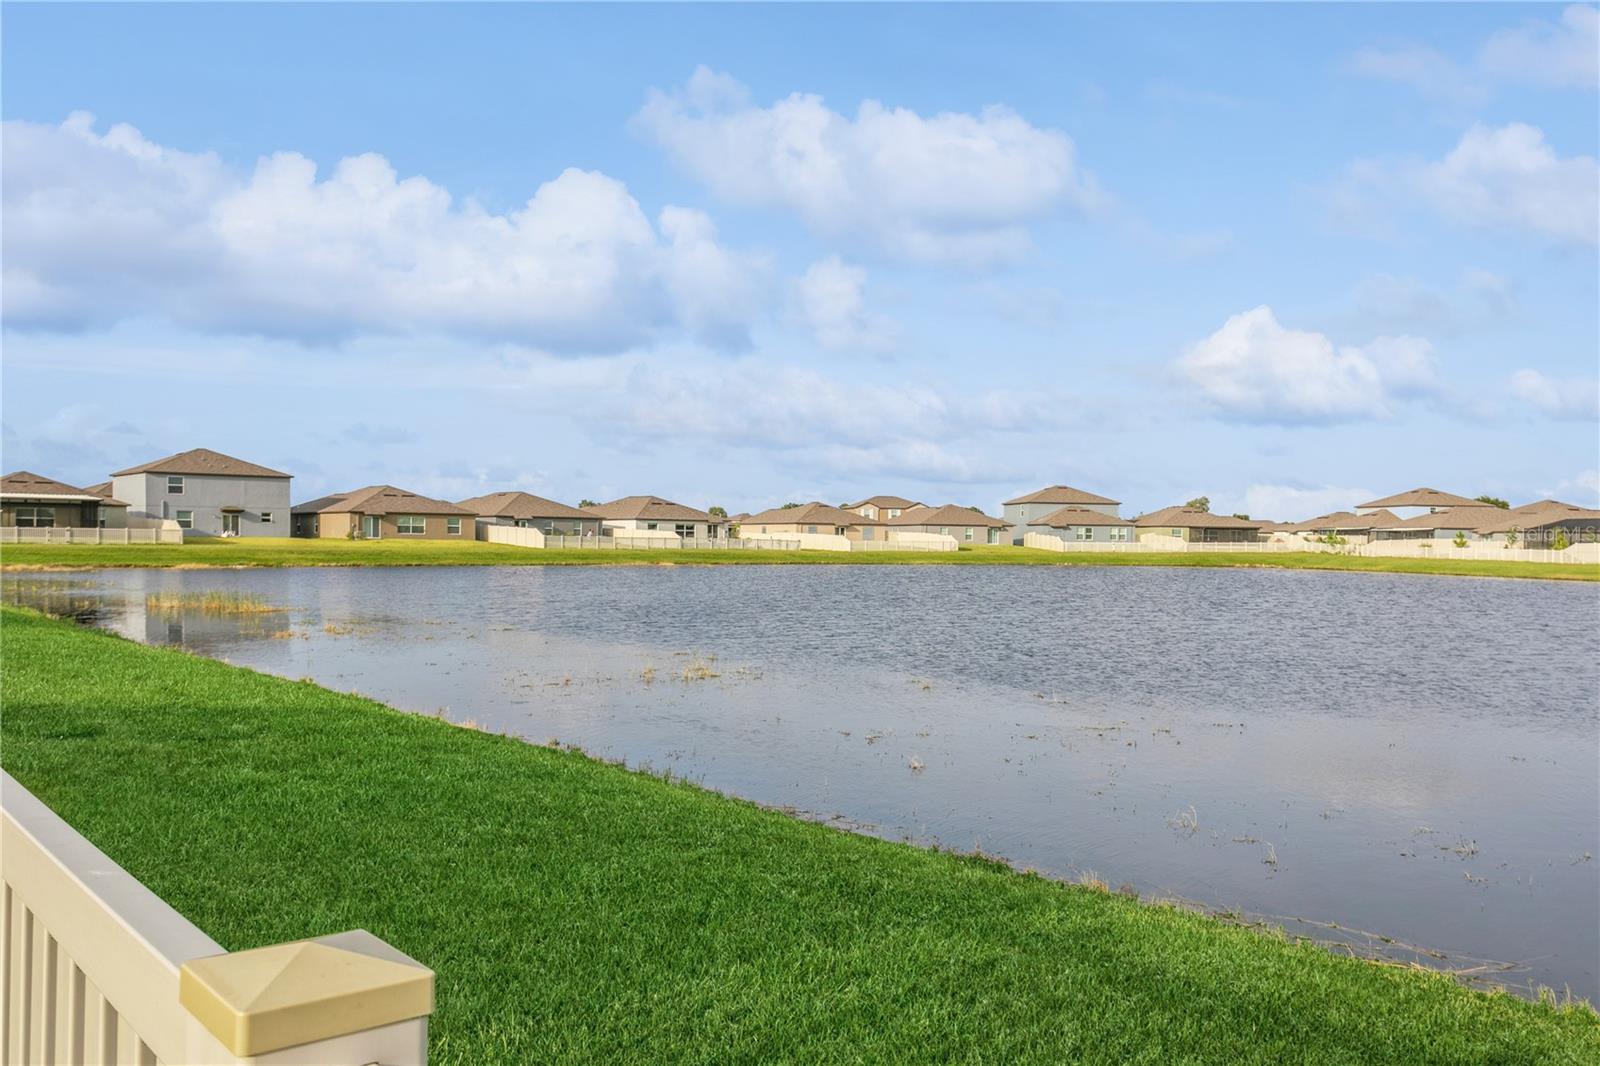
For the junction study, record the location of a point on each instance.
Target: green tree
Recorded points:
(717, 512)
(1561, 543)
(1511, 537)
(788, 506)
(1461, 539)
(1241, 517)
(1495, 501)
(587, 503)
(1200, 503)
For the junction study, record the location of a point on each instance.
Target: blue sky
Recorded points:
(1285, 256)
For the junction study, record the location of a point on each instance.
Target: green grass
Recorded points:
(579, 912)
(285, 551)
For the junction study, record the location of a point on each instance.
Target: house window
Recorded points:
(763, 529)
(1085, 533)
(1177, 532)
(866, 533)
(649, 525)
(969, 534)
(413, 525)
(894, 512)
(811, 529)
(185, 519)
(174, 485)
(994, 536)
(1117, 533)
(684, 529)
(452, 526)
(266, 518)
(100, 517)
(870, 512)
(36, 517)
(838, 531)
(944, 531)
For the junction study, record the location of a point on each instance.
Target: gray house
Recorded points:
(206, 493)
(1082, 525)
(1022, 511)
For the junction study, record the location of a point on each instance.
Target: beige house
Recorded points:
(814, 517)
(1197, 527)
(1080, 524)
(32, 501)
(887, 508)
(1536, 524)
(533, 512)
(1347, 525)
(379, 512)
(966, 524)
(652, 514)
(1415, 502)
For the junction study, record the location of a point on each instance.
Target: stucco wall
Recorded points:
(1020, 514)
(148, 499)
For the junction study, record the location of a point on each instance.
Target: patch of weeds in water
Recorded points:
(334, 629)
(1186, 822)
(700, 668)
(1464, 848)
(916, 765)
(213, 602)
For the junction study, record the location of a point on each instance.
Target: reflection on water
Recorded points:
(1405, 755)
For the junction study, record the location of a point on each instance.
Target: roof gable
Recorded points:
(648, 507)
(200, 462)
(951, 514)
(1079, 516)
(520, 505)
(1423, 497)
(1061, 494)
(1189, 518)
(379, 500)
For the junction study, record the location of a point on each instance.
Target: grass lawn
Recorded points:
(580, 912)
(285, 551)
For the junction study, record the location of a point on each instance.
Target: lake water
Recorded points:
(1345, 754)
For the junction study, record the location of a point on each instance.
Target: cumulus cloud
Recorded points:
(104, 226)
(829, 300)
(1502, 178)
(1577, 399)
(1539, 52)
(1294, 503)
(1254, 369)
(953, 187)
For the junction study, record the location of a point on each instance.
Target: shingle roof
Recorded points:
(378, 500)
(814, 513)
(1061, 494)
(200, 461)
(651, 507)
(520, 505)
(103, 490)
(1422, 498)
(1451, 518)
(1380, 519)
(1535, 516)
(1079, 516)
(1189, 518)
(883, 501)
(951, 514)
(23, 483)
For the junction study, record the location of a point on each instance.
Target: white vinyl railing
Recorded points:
(1402, 549)
(86, 535)
(95, 968)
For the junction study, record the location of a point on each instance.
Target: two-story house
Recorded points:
(206, 493)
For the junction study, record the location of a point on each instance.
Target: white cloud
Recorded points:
(1546, 53)
(105, 226)
(953, 187)
(1582, 488)
(1293, 503)
(1501, 178)
(1254, 369)
(1539, 52)
(1575, 398)
(828, 300)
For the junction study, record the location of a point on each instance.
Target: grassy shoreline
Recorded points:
(287, 552)
(576, 911)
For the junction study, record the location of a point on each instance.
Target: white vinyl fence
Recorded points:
(1577, 553)
(97, 969)
(522, 536)
(85, 535)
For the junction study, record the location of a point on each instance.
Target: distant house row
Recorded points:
(204, 492)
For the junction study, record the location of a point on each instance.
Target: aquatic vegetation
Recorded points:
(211, 602)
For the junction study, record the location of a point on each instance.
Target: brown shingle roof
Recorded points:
(520, 505)
(200, 461)
(951, 514)
(23, 483)
(884, 501)
(1422, 498)
(1079, 516)
(1338, 520)
(814, 513)
(648, 507)
(379, 500)
(1062, 494)
(1188, 518)
(1536, 516)
(1451, 518)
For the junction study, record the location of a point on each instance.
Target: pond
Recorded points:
(1405, 764)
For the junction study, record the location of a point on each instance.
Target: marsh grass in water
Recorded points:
(212, 602)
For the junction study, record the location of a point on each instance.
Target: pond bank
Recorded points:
(578, 910)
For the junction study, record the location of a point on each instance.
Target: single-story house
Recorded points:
(1197, 527)
(33, 501)
(1352, 527)
(885, 507)
(1538, 524)
(814, 517)
(1414, 502)
(1443, 524)
(652, 514)
(533, 512)
(208, 493)
(967, 524)
(381, 511)
(1020, 512)
(1082, 524)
